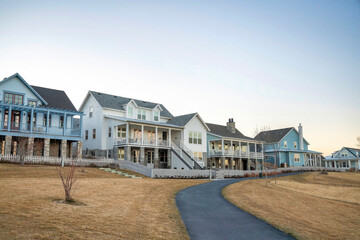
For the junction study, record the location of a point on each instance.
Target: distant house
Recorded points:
(44, 117)
(228, 148)
(142, 132)
(287, 147)
(344, 158)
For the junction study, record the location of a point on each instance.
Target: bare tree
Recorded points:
(20, 148)
(69, 178)
(358, 141)
(257, 130)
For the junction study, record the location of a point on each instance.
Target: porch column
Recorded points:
(156, 158)
(241, 167)
(47, 121)
(30, 146)
(142, 156)
(240, 150)
(255, 151)
(127, 135)
(169, 158)
(81, 124)
(9, 119)
(63, 148)
(231, 146)
(156, 136)
(65, 123)
(248, 164)
(79, 149)
(222, 162)
(231, 163)
(142, 135)
(222, 147)
(46, 147)
(170, 138)
(349, 164)
(127, 151)
(8, 141)
(248, 149)
(31, 120)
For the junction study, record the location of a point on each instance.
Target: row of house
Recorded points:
(109, 126)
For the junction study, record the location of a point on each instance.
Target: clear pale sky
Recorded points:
(274, 63)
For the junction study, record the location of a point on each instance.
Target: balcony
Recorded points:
(236, 154)
(39, 129)
(138, 141)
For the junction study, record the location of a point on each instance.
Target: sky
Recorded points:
(263, 63)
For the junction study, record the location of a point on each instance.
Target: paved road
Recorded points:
(208, 215)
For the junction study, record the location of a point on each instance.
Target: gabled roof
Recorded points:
(26, 84)
(117, 102)
(184, 119)
(353, 151)
(273, 136)
(55, 98)
(222, 131)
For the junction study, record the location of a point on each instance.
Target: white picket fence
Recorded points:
(39, 160)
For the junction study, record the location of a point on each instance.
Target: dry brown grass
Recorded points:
(115, 207)
(308, 206)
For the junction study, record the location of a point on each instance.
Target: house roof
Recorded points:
(117, 102)
(182, 120)
(222, 131)
(142, 121)
(55, 98)
(353, 151)
(272, 136)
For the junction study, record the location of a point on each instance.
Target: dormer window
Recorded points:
(156, 116)
(141, 114)
(130, 112)
(295, 145)
(285, 144)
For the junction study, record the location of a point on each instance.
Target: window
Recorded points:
(226, 146)
(195, 137)
(121, 154)
(296, 157)
(156, 116)
(32, 103)
(109, 131)
(212, 145)
(220, 146)
(61, 123)
(198, 156)
(45, 120)
(13, 98)
(130, 112)
(94, 133)
(285, 144)
(91, 111)
(86, 134)
(8, 97)
(141, 114)
(121, 133)
(295, 145)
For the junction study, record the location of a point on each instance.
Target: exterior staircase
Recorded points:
(186, 156)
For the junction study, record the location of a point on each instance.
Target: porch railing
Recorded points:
(232, 153)
(39, 129)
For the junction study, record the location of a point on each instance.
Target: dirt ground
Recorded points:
(308, 206)
(109, 206)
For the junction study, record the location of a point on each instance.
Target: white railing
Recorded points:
(40, 160)
(149, 142)
(163, 143)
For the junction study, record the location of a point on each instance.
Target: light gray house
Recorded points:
(344, 158)
(143, 132)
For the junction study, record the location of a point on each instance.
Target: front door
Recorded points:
(15, 120)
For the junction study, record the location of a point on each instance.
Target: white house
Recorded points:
(141, 131)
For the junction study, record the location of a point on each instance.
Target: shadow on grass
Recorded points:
(73, 202)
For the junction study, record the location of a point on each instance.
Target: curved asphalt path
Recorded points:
(208, 215)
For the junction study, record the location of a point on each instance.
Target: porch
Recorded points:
(235, 149)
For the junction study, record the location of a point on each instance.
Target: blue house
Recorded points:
(287, 147)
(44, 118)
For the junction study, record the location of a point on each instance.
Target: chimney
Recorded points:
(231, 125)
(301, 137)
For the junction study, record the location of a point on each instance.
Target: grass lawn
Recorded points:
(114, 207)
(308, 206)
